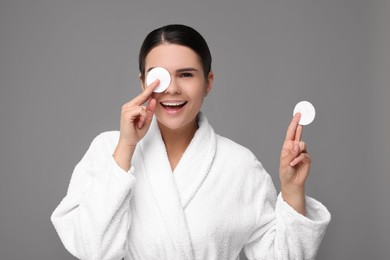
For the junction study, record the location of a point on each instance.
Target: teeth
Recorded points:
(173, 104)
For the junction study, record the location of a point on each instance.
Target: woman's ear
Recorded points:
(209, 83)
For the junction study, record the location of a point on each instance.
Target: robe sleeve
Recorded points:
(93, 219)
(281, 232)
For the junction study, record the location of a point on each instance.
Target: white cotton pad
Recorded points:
(161, 74)
(308, 113)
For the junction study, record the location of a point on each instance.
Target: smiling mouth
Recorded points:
(173, 105)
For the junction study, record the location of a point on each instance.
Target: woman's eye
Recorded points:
(185, 75)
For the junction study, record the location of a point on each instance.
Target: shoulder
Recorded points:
(107, 136)
(105, 141)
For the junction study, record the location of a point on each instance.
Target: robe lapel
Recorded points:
(195, 164)
(174, 191)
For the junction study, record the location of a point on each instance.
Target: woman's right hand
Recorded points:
(135, 122)
(136, 117)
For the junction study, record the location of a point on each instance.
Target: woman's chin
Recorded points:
(175, 124)
(170, 123)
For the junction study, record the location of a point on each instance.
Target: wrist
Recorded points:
(292, 190)
(123, 154)
(124, 146)
(296, 199)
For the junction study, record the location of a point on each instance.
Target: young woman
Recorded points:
(167, 187)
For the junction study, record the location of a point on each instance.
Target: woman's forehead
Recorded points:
(172, 56)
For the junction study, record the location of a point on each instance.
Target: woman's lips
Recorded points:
(173, 107)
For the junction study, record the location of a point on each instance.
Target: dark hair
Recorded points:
(177, 34)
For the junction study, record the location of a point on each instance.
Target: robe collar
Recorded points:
(173, 191)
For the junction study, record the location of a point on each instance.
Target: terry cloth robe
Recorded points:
(217, 201)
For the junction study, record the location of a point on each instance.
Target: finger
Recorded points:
(149, 112)
(303, 157)
(297, 160)
(145, 95)
(289, 152)
(150, 109)
(142, 117)
(132, 113)
(292, 128)
(302, 147)
(298, 133)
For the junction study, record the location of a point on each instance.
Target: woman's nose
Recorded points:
(173, 87)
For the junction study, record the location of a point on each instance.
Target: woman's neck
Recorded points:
(177, 140)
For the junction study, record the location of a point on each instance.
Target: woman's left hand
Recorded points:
(294, 166)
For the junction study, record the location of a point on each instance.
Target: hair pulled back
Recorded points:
(176, 34)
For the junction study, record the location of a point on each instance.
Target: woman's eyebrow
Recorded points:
(178, 70)
(186, 69)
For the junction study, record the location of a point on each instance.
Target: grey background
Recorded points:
(66, 68)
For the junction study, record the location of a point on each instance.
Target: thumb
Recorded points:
(150, 111)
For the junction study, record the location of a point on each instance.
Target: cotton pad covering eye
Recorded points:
(161, 74)
(308, 113)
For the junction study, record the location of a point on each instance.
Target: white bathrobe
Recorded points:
(217, 201)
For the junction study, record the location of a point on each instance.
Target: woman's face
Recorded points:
(179, 104)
